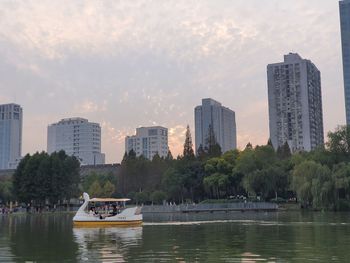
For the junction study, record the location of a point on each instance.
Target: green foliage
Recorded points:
(212, 147)
(108, 189)
(173, 183)
(284, 152)
(100, 184)
(342, 180)
(42, 177)
(313, 184)
(141, 198)
(339, 141)
(188, 145)
(249, 146)
(95, 189)
(138, 174)
(258, 183)
(157, 197)
(6, 190)
(217, 179)
(320, 179)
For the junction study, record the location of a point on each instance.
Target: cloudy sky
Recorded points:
(136, 63)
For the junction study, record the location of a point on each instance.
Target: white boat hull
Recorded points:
(129, 216)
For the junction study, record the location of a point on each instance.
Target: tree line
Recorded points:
(319, 179)
(42, 179)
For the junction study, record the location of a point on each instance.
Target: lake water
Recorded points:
(231, 237)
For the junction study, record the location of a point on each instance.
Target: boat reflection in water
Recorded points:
(106, 244)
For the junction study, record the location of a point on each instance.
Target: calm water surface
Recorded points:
(235, 237)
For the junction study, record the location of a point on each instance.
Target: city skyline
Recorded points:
(118, 65)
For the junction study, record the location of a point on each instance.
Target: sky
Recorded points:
(126, 64)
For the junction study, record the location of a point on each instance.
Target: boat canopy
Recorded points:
(109, 200)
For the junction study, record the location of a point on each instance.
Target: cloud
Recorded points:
(55, 29)
(176, 139)
(4, 99)
(88, 106)
(130, 63)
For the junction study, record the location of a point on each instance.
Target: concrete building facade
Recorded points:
(148, 141)
(11, 122)
(295, 104)
(77, 137)
(221, 119)
(344, 9)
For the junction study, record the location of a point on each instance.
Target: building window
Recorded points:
(152, 132)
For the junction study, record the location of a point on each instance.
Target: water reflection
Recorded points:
(106, 244)
(275, 237)
(37, 238)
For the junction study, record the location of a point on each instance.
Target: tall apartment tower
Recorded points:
(11, 121)
(148, 141)
(344, 8)
(295, 104)
(77, 137)
(221, 119)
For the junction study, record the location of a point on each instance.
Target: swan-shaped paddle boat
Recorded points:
(105, 217)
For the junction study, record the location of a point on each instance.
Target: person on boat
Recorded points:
(115, 210)
(92, 212)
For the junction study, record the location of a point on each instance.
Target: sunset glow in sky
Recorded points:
(136, 63)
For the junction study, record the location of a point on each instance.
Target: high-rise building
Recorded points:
(11, 121)
(344, 8)
(222, 120)
(77, 137)
(295, 104)
(148, 142)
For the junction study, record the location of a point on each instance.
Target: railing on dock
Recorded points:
(195, 208)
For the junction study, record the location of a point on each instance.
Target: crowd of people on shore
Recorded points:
(4, 210)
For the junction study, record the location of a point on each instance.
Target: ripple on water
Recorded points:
(294, 239)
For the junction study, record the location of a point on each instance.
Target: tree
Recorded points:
(132, 154)
(279, 180)
(102, 178)
(6, 190)
(201, 154)
(157, 197)
(246, 162)
(339, 141)
(341, 176)
(265, 156)
(173, 183)
(258, 183)
(108, 189)
(188, 145)
(213, 149)
(42, 177)
(218, 171)
(313, 184)
(231, 156)
(169, 156)
(216, 183)
(283, 152)
(95, 189)
(141, 197)
(269, 142)
(249, 146)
